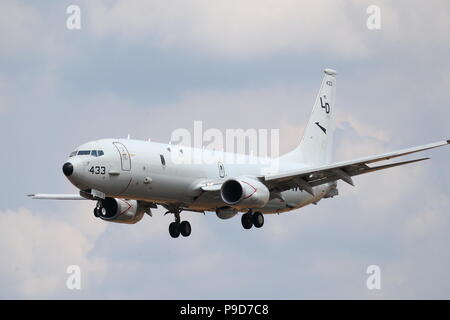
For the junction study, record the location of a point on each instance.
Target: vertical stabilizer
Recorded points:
(315, 147)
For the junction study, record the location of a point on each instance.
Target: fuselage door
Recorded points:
(124, 156)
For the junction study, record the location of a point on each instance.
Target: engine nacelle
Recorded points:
(244, 192)
(226, 212)
(121, 211)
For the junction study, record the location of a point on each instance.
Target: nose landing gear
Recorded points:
(99, 210)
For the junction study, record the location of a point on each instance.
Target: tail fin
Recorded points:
(316, 144)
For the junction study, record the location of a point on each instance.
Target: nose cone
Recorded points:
(67, 169)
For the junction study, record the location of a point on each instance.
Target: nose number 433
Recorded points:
(97, 170)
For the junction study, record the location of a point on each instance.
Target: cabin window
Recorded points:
(163, 161)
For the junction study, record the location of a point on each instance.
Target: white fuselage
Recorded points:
(172, 175)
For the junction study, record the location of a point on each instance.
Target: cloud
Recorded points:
(362, 128)
(4, 95)
(36, 251)
(221, 109)
(428, 222)
(356, 139)
(234, 28)
(15, 25)
(417, 24)
(25, 32)
(421, 265)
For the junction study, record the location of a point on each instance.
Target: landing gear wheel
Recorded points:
(99, 210)
(185, 228)
(258, 219)
(174, 229)
(246, 220)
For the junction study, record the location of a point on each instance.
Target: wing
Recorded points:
(47, 196)
(314, 176)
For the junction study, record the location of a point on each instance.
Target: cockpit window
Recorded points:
(94, 153)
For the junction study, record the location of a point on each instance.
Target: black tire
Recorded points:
(246, 221)
(96, 213)
(174, 230)
(258, 219)
(185, 228)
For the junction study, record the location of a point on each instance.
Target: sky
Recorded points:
(147, 68)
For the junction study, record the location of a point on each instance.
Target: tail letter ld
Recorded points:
(326, 106)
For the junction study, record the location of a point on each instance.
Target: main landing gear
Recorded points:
(179, 227)
(251, 219)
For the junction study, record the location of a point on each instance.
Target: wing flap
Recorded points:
(307, 178)
(352, 165)
(387, 166)
(330, 176)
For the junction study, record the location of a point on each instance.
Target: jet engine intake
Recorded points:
(244, 192)
(121, 211)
